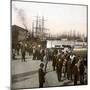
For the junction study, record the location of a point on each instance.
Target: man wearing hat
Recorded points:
(59, 68)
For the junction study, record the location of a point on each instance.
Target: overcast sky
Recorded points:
(60, 18)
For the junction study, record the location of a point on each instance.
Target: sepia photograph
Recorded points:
(49, 44)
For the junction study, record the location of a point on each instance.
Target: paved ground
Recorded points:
(25, 74)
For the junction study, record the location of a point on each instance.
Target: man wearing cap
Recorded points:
(59, 68)
(41, 76)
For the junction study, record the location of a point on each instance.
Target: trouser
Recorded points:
(34, 56)
(18, 52)
(23, 57)
(41, 58)
(82, 79)
(38, 56)
(29, 53)
(13, 56)
(59, 75)
(68, 75)
(41, 85)
(64, 71)
(45, 66)
(71, 74)
(53, 67)
(75, 80)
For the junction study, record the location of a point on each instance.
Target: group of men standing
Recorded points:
(66, 65)
(20, 49)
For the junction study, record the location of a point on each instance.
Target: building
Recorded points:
(64, 42)
(18, 34)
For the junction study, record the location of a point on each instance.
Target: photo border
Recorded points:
(54, 3)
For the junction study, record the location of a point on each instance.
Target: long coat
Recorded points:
(76, 74)
(54, 60)
(81, 68)
(59, 65)
(41, 76)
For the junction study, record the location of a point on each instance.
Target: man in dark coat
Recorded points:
(72, 66)
(75, 73)
(41, 76)
(59, 68)
(54, 61)
(38, 54)
(42, 54)
(81, 72)
(23, 52)
(45, 61)
(68, 69)
(18, 48)
(34, 53)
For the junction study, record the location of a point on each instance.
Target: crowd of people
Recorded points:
(66, 64)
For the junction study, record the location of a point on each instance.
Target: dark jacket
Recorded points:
(54, 60)
(41, 76)
(68, 66)
(81, 68)
(59, 65)
(75, 70)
